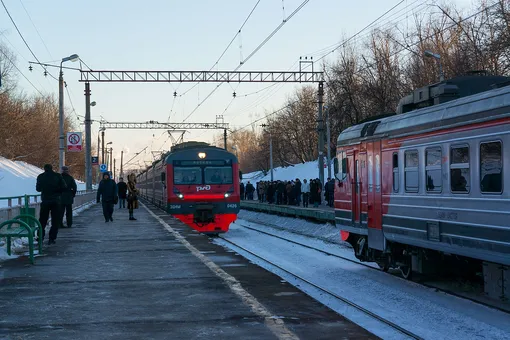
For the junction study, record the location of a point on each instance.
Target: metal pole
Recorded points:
(88, 140)
(103, 160)
(225, 138)
(121, 174)
(111, 155)
(114, 168)
(61, 152)
(328, 131)
(441, 74)
(271, 154)
(320, 130)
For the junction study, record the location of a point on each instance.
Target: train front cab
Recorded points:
(203, 188)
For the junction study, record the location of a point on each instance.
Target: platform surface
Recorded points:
(137, 280)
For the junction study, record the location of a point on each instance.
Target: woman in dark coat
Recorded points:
(132, 197)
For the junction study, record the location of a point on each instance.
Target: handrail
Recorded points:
(79, 192)
(27, 198)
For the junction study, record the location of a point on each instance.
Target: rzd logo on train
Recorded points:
(207, 187)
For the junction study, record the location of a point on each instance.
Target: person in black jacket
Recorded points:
(68, 197)
(122, 190)
(108, 190)
(51, 185)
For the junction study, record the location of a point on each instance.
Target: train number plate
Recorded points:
(175, 206)
(231, 205)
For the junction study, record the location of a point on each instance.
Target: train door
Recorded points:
(374, 196)
(355, 170)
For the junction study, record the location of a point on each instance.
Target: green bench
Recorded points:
(24, 225)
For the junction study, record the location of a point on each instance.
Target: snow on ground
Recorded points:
(430, 314)
(18, 178)
(323, 231)
(308, 170)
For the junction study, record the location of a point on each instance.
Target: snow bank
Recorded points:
(306, 170)
(18, 178)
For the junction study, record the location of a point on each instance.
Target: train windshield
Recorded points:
(187, 175)
(218, 175)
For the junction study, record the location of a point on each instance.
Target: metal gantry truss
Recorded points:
(165, 126)
(202, 76)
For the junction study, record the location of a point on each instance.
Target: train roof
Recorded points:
(191, 153)
(488, 105)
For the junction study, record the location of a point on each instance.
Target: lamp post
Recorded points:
(61, 150)
(328, 141)
(436, 56)
(88, 139)
(107, 157)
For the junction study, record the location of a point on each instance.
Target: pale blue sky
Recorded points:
(180, 35)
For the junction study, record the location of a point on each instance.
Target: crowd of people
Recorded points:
(59, 189)
(294, 192)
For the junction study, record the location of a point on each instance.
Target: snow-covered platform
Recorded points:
(153, 278)
(322, 213)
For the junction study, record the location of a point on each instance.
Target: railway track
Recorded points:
(446, 291)
(345, 301)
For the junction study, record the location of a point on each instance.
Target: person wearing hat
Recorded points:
(51, 185)
(108, 192)
(68, 197)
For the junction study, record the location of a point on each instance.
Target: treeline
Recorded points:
(29, 125)
(372, 74)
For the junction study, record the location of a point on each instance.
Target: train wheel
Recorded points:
(385, 266)
(406, 269)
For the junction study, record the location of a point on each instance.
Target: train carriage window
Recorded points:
(411, 171)
(187, 175)
(460, 178)
(218, 175)
(491, 166)
(396, 175)
(433, 172)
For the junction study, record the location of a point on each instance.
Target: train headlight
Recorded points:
(227, 195)
(201, 155)
(181, 196)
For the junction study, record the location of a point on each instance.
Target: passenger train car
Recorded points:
(197, 183)
(431, 180)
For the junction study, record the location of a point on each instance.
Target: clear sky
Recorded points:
(180, 35)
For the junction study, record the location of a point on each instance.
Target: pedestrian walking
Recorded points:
(305, 189)
(122, 190)
(108, 192)
(51, 185)
(132, 197)
(68, 198)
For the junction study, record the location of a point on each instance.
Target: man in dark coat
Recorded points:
(68, 197)
(122, 190)
(241, 190)
(108, 190)
(51, 185)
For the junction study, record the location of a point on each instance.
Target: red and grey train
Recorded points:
(197, 183)
(431, 180)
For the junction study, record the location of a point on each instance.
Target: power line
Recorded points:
(16, 67)
(229, 44)
(33, 24)
(23, 38)
(252, 53)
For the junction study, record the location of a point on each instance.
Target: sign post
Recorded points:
(103, 168)
(74, 142)
(95, 160)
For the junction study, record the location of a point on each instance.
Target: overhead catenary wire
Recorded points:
(251, 54)
(485, 8)
(39, 34)
(23, 38)
(16, 67)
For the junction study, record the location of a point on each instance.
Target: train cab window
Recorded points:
(411, 171)
(187, 175)
(396, 175)
(460, 178)
(218, 175)
(433, 173)
(491, 168)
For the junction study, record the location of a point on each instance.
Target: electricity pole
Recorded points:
(320, 130)
(88, 141)
(102, 148)
(121, 161)
(114, 168)
(328, 141)
(270, 151)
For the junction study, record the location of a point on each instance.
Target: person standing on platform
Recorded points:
(108, 190)
(122, 190)
(132, 196)
(305, 189)
(68, 197)
(51, 185)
